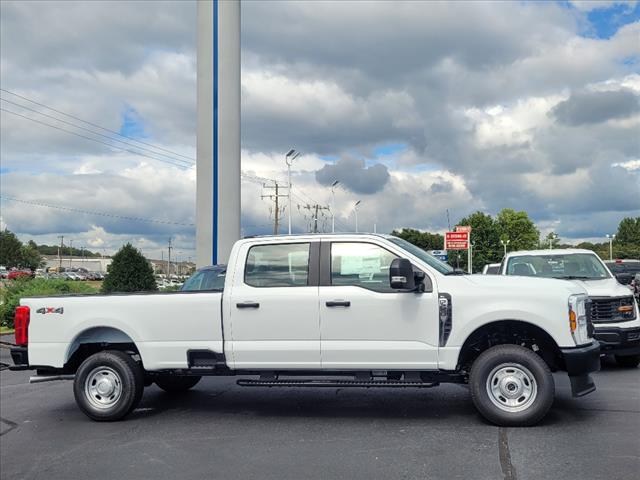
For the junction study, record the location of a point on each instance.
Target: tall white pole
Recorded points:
(218, 131)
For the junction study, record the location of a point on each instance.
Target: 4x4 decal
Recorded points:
(45, 310)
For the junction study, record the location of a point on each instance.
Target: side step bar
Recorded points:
(243, 382)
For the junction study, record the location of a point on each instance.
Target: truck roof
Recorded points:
(547, 252)
(306, 236)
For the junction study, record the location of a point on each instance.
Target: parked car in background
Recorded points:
(491, 269)
(207, 278)
(612, 308)
(624, 270)
(3, 272)
(16, 274)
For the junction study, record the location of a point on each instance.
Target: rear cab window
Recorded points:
(277, 265)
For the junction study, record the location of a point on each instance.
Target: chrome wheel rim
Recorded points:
(512, 387)
(103, 388)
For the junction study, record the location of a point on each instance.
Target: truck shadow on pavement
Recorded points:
(433, 405)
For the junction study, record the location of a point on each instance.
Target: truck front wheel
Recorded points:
(108, 385)
(628, 361)
(511, 386)
(174, 383)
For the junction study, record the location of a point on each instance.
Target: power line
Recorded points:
(93, 139)
(96, 125)
(89, 212)
(95, 133)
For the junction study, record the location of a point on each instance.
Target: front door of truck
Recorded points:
(273, 307)
(364, 324)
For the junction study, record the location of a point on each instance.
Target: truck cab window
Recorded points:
(361, 265)
(282, 265)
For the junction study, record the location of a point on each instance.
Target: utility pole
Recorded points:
(315, 211)
(275, 196)
(169, 260)
(61, 237)
(355, 209)
(70, 251)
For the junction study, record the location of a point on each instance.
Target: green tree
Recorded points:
(518, 229)
(424, 240)
(129, 271)
(30, 256)
(10, 249)
(485, 239)
(629, 231)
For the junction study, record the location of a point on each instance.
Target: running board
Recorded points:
(243, 382)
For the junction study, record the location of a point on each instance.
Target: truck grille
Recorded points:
(612, 309)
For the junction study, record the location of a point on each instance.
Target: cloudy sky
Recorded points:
(415, 107)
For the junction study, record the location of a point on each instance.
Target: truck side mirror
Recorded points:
(401, 275)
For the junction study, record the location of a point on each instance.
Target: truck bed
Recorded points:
(164, 326)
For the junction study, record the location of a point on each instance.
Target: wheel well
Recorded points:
(514, 332)
(95, 340)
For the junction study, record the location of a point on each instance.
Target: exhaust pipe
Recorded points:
(50, 378)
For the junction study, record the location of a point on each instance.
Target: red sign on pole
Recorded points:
(456, 241)
(463, 228)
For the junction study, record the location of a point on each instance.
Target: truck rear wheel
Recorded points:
(108, 385)
(511, 386)
(628, 361)
(174, 383)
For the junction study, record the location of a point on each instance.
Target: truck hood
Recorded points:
(514, 284)
(603, 287)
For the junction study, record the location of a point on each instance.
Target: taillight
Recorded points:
(21, 325)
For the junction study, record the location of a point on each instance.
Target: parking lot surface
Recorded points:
(221, 430)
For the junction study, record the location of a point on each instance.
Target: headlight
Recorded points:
(578, 319)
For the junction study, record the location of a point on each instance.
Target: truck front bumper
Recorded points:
(579, 363)
(20, 358)
(618, 341)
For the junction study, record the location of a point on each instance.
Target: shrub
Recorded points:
(14, 290)
(129, 272)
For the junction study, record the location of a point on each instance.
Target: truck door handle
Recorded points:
(338, 303)
(248, 305)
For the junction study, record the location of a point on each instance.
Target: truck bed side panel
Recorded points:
(163, 326)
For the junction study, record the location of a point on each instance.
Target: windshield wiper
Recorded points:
(577, 277)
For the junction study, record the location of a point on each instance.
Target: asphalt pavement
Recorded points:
(221, 430)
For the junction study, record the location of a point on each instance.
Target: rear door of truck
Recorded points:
(272, 306)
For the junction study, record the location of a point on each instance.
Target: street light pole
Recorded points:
(289, 158)
(504, 244)
(333, 205)
(611, 237)
(355, 208)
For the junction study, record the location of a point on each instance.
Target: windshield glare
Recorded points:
(573, 265)
(422, 255)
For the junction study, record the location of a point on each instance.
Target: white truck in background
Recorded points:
(348, 310)
(613, 311)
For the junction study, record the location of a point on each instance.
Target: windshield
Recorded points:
(422, 255)
(573, 266)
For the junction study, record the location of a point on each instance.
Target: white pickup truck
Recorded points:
(349, 310)
(613, 311)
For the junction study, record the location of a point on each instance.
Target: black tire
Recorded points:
(121, 372)
(175, 383)
(628, 361)
(511, 366)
